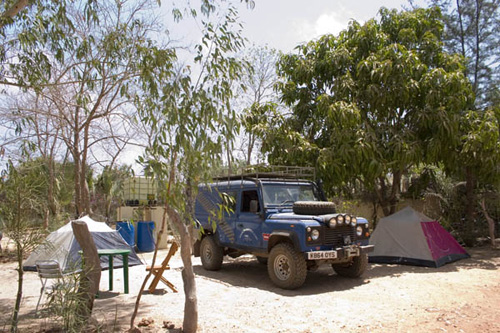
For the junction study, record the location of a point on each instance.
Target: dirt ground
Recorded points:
(459, 297)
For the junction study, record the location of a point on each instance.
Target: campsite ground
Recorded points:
(459, 297)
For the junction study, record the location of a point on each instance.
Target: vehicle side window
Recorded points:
(246, 198)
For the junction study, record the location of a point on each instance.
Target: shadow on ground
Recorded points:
(247, 272)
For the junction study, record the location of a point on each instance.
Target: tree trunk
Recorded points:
(85, 193)
(491, 224)
(19, 296)
(20, 272)
(381, 192)
(190, 323)
(395, 190)
(470, 203)
(50, 190)
(91, 273)
(477, 52)
(78, 196)
(13, 11)
(462, 33)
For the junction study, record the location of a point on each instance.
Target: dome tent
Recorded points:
(62, 246)
(410, 237)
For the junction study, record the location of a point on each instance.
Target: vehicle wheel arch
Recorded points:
(283, 237)
(197, 243)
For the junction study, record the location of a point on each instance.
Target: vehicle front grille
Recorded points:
(335, 236)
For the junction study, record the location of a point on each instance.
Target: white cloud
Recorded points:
(330, 23)
(326, 23)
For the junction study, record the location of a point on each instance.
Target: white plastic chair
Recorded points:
(49, 270)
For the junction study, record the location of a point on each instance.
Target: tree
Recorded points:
(35, 135)
(19, 204)
(477, 159)
(370, 103)
(109, 186)
(192, 121)
(88, 91)
(471, 29)
(258, 96)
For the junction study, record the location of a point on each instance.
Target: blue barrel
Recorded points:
(127, 231)
(145, 236)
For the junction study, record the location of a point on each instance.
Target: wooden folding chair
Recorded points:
(158, 270)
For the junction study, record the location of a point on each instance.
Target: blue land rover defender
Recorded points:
(284, 221)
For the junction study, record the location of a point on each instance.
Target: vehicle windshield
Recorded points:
(286, 194)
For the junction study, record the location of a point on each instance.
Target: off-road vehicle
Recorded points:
(282, 219)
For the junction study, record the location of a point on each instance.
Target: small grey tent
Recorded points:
(62, 246)
(410, 237)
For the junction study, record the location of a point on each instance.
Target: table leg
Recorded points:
(110, 272)
(125, 272)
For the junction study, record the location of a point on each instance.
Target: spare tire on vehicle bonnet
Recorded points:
(313, 207)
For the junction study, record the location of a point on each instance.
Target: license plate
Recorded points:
(352, 252)
(316, 255)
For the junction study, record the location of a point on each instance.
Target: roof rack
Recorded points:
(269, 172)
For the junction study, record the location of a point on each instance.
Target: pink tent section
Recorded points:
(410, 237)
(441, 243)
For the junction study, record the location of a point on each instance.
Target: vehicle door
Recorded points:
(248, 223)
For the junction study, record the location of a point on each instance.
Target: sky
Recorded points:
(284, 24)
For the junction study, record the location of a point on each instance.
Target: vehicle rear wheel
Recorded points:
(354, 268)
(286, 267)
(211, 254)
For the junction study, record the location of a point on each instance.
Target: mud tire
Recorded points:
(286, 267)
(211, 254)
(354, 268)
(313, 207)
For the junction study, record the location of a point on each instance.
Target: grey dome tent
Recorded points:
(410, 237)
(62, 246)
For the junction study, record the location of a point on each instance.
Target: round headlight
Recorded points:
(347, 219)
(340, 219)
(308, 229)
(332, 223)
(353, 221)
(315, 234)
(359, 231)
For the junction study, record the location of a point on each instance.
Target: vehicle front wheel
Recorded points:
(354, 268)
(211, 254)
(286, 267)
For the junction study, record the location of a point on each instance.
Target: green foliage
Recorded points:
(372, 102)
(191, 117)
(41, 25)
(480, 147)
(108, 189)
(64, 303)
(471, 29)
(20, 201)
(23, 192)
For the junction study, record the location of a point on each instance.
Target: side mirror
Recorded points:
(254, 206)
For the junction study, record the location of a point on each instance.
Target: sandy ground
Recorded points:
(459, 297)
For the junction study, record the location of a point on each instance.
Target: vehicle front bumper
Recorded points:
(340, 252)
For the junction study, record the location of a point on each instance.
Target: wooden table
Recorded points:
(110, 253)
